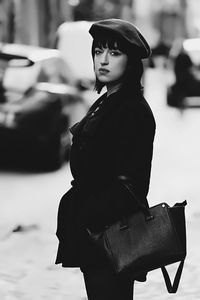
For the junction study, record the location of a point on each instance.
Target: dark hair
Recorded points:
(134, 71)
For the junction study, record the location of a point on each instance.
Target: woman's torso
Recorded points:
(117, 140)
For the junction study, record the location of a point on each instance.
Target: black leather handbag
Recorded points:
(146, 240)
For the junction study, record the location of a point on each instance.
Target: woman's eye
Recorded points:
(97, 51)
(115, 52)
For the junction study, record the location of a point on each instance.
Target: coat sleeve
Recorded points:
(135, 149)
(131, 162)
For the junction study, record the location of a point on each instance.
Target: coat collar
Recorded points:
(77, 127)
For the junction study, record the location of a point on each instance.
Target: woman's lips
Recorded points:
(103, 71)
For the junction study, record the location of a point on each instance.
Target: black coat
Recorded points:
(117, 140)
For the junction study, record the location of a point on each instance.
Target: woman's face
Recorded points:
(109, 64)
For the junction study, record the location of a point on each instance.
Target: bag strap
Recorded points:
(172, 288)
(129, 187)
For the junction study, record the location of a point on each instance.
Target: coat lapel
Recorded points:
(94, 123)
(77, 128)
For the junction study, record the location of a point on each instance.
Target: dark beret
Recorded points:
(126, 31)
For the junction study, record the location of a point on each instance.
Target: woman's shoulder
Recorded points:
(137, 108)
(98, 101)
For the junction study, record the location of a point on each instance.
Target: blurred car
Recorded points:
(36, 87)
(159, 55)
(184, 90)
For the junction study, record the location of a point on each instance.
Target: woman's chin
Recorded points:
(103, 79)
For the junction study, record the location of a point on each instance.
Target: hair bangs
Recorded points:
(111, 43)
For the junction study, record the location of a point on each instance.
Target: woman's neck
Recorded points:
(113, 88)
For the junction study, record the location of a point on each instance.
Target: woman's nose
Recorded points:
(104, 58)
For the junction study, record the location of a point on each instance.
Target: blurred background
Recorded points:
(46, 85)
(35, 22)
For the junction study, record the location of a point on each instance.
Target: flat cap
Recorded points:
(126, 30)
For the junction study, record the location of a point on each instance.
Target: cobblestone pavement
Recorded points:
(27, 270)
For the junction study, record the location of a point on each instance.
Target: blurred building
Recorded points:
(193, 18)
(6, 21)
(36, 21)
(32, 22)
(162, 21)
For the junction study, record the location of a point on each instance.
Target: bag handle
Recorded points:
(124, 181)
(172, 288)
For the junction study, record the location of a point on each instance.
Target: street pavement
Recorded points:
(29, 202)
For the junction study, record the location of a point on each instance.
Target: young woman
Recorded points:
(113, 143)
